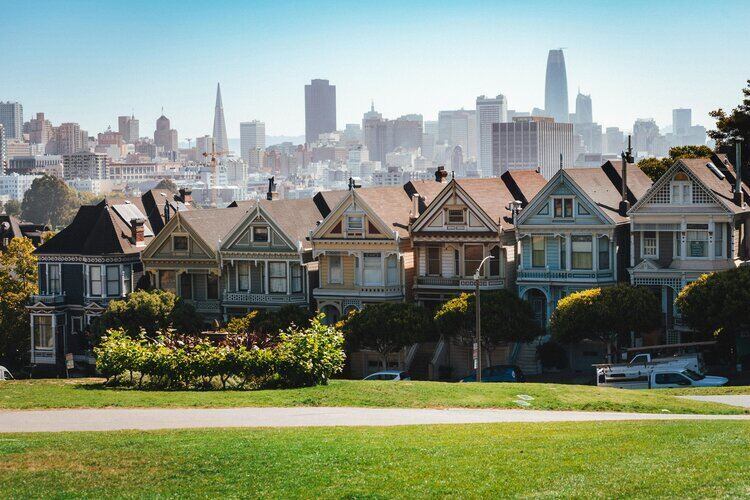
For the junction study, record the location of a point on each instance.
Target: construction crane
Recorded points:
(214, 170)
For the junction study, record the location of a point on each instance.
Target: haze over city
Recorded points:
(638, 60)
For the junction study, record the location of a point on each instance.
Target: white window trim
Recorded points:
(463, 220)
(268, 234)
(643, 246)
(681, 184)
(340, 279)
(573, 207)
(181, 235)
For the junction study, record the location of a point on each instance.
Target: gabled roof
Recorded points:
(11, 227)
(214, 224)
(294, 217)
(391, 204)
(523, 184)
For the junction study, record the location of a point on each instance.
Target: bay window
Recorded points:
(604, 252)
(697, 240)
(296, 271)
(277, 277)
(113, 281)
(53, 279)
(335, 274)
(44, 336)
(373, 270)
(650, 247)
(212, 286)
(167, 281)
(433, 261)
(186, 286)
(537, 251)
(473, 255)
(581, 252)
(95, 281)
(719, 240)
(243, 276)
(391, 270)
(200, 286)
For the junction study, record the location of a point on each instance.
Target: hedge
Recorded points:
(302, 357)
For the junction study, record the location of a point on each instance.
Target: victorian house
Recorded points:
(694, 220)
(95, 259)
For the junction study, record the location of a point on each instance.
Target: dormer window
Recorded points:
(355, 223)
(180, 243)
(563, 208)
(456, 216)
(260, 234)
(681, 189)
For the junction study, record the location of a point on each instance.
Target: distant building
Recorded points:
(682, 120)
(164, 136)
(489, 111)
(459, 128)
(128, 128)
(11, 118)
(39, 129)
(646, 137)
(252, 136)
(457, 161)
(381, 137)
(3, 150)
(556, 87)
(220, 126)
(584, 112)
(85, 165)
(531, 142)
(15, 185)
(70, 139)
(203, 144)
(320, 109)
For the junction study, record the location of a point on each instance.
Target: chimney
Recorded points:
(272, 194)
(440, 174)
(627, 157)
(414, 207)
(738, 194)
(136, 230)
(186, 195)
(167, 211)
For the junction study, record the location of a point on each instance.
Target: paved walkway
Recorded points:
(183, 418)
(730, 399)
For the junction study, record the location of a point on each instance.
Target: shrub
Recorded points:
(552, 355)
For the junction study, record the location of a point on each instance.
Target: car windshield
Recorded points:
(693, 375)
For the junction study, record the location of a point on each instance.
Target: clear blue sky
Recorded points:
(90, 61)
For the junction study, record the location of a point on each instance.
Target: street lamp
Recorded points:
(478, 343)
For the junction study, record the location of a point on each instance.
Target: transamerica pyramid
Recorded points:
(220, 126)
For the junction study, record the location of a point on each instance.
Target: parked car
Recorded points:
(393, 375)
(657, 378)
(497, 373)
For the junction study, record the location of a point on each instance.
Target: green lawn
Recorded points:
(29, 394)
(711, 391)
(592, 460)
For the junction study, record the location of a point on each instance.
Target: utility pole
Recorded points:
(478, 342)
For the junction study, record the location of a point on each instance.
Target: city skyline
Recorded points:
(405, 72)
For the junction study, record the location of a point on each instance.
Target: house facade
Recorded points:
(694, 220)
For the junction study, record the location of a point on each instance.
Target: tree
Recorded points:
(150, 311)
(505, 318)
(387, 328)
(49, 201)
(716, 305)
(733, 125)
(605, 314)
(18, 281)
(261, 327)
(12, 207)
(655, 167)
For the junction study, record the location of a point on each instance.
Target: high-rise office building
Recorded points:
(459, 128)
(615, 141)
(682, 120)
(128, 127)
(556, 87)
(3, 150)
(40, 130)
(489, 111)
(220, 127)
(252, 136)
(85, 165)
(320, 109)
(531, 142)
(70, 139)
(11, 117)
(381, 136)
(164, 135)
(584, 113)
(203, 144)
(646, 136)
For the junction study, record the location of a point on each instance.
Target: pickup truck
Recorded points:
(657, 378)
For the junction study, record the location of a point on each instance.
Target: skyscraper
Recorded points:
(384, 136)
(252, 136)
(645, 136)
(40, 130)
(3, 150)
(164, 135)
(615, 140)
(489, 111)
(220, 126)
(11, 117)
(69, 139)
(584, 113)
(320, 109)
(556, 87)
(682, 120)
(459, 128)
(127, 126)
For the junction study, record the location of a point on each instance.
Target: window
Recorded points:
(186, 286)
(296, 270)
(243, 276)
(677, 244)
(581, 252)
(456, 263)
(167, 281)
(604, 253)
(44, 337)
(719, 240)
(563, 253)
(391, 270)
(456, 216)
(355, 224)
(260, 234)
(127, 271)
(495, 261)
(54, 278)
(650, 247)
(357, 271)
(180, 243)
(433, 261)
(473, 255)
(373, 270)
(334, 269)
(113, 281)
(681, 189)
(95, 281)
(212, 287)
(583, 210)
(697, 240)
(671, 379)
(277, 277)
(537, 251)
(563, 207)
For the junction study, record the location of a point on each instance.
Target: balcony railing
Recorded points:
(460, 283)
(563, 275)
(389, 291)
(48, 298)
(264, 298)
(206, 306)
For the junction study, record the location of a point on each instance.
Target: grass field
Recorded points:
(593, 460)
(706, 391)
(35, 394)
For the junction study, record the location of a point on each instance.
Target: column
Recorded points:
(683, 240)
(632, 248)
(595, 250)
(711, 238)
(568, 252)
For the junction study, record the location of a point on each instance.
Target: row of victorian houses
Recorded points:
(421, 242)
